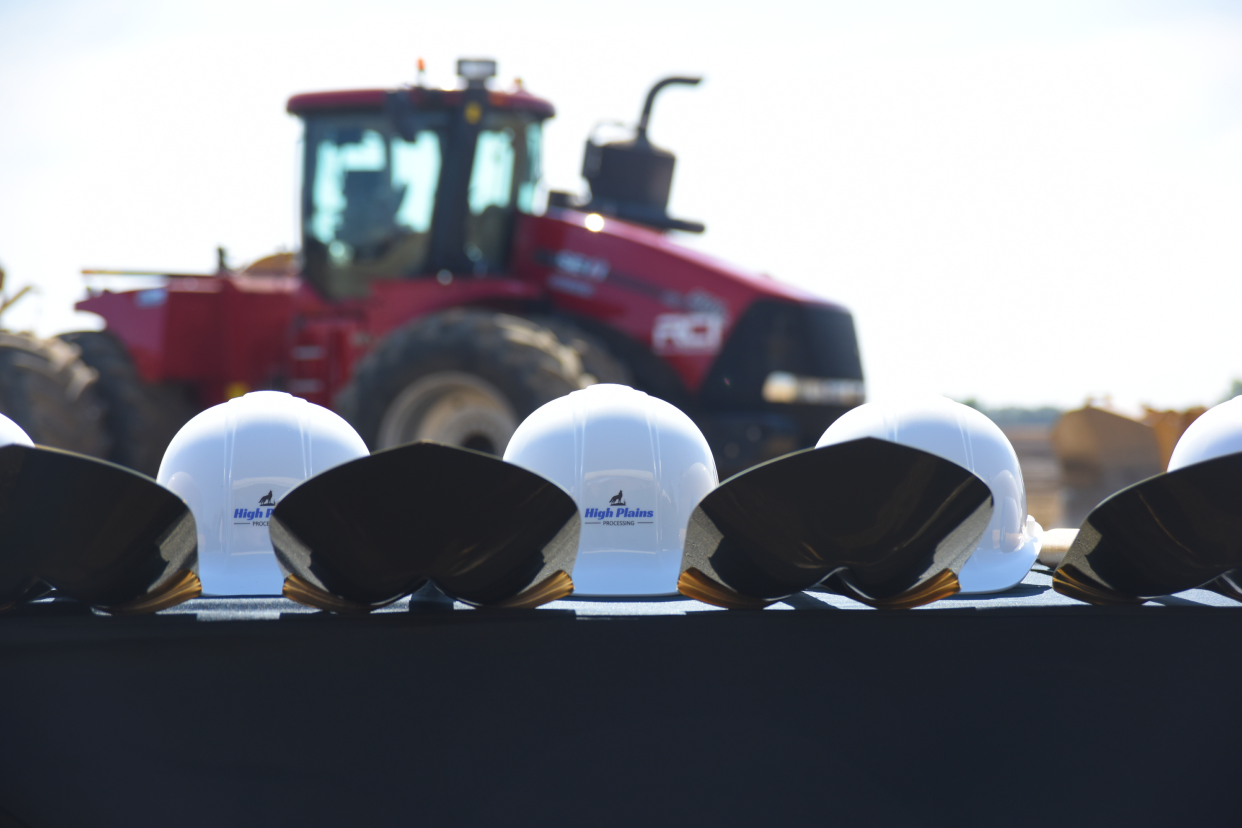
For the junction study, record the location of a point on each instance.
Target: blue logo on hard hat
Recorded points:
(619, 516)
(619, 512)
(258, 516)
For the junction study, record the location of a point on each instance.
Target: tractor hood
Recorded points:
(683, 305)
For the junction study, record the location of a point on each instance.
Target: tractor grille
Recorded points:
(775, 343)
(777, 337)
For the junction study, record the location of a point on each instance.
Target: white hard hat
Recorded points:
(636, 466)
(11, 432)
(1215, 433)
(963, 435)
(233, 463)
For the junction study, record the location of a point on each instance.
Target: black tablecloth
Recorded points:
(1025, 709)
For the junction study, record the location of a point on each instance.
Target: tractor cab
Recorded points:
(416, 182)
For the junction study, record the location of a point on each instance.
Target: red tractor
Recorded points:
(433, 302)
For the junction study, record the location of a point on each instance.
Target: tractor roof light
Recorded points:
(476, 71)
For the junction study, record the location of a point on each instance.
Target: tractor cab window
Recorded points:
(369, 201)
(374, 206)
(502, 181)
(529, 183)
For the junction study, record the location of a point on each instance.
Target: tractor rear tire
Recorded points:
(464, 377)
(47, 390)
(597, 361)
(140, 418)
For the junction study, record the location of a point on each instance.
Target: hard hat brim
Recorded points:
(997, 571)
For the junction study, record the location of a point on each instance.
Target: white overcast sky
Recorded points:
(1025, 203)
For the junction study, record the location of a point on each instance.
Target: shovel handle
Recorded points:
(1056, 543)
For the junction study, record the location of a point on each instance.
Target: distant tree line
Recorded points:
(1009, 416)
(1047, 415)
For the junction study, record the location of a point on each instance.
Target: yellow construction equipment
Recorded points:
(1101, 451)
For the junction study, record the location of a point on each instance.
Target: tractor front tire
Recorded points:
(47, 390)
(597, 361)
(141, 419)
(464, 377)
